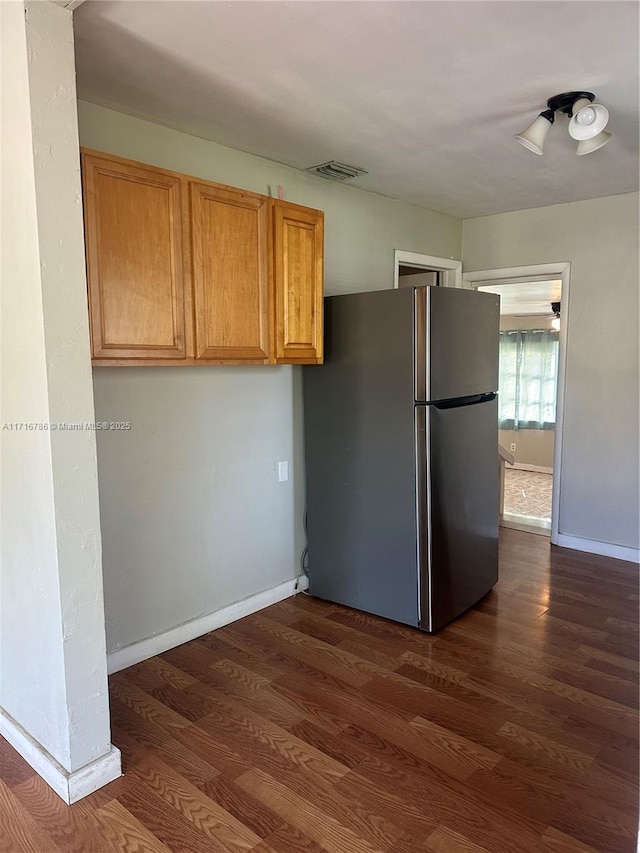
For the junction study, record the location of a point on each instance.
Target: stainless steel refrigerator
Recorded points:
(401, 448)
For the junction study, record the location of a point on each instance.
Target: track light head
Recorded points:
(534, 136)
(587, 146)
(588, 121)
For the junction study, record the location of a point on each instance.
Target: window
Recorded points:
(527, 384)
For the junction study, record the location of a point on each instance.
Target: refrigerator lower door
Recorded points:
(459, 529)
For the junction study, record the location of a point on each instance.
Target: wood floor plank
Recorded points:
(350, 811)
(14, 769)
(67, 827)
(594, 822)
(440, 672)
(314, 728)
(167, 825)
(555, 752)
(248, 810)
(409, 801)
(190, 764)
(626, 674)
(342, 665)
(207, 816)
(19, 830)
(230, 679)
(445, 840)
(123, 833)
(307, 816)
(154, 672)
(215, 751)
(455, 750)
(243, 727)
(288, 839)
(148, 708)
(554, 841)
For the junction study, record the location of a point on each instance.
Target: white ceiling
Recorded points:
(424, 95)
(529, 297)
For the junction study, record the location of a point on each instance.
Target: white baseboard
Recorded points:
(137, 652)
(71, 787)
(604, 549)
(524, 466)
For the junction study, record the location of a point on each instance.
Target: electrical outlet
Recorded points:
(513, 447)
(283, 472)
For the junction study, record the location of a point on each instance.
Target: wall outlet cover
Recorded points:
(283, 472)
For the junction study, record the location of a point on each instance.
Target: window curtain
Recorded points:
(528, 378)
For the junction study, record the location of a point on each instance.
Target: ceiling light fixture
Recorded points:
(587, 123)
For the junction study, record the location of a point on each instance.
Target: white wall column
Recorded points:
(53, 680)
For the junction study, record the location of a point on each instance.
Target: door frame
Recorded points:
(522, 274)
(451, 268)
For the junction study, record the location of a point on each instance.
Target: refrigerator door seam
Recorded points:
(428, 514)
(422, 562)
(427, 348)
(420, 343)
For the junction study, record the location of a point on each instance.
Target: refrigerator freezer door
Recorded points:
(457, 335)
(459, 533)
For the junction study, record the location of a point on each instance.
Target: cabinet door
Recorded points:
(133, 225)
(298, 274)
(230, 273)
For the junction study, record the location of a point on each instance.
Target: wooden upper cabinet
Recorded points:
(298, 246)
(185, 271)
(230, 268)
(133, 226)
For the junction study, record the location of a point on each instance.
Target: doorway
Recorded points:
(413, 268)
(534, 313)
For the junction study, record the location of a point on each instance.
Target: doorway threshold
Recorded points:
(526, 524)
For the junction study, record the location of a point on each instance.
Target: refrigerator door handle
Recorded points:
(471, 400)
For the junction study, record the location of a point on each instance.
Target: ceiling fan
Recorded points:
(554, 314)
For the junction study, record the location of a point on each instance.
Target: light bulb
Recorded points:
(586, 116)
(588, 121)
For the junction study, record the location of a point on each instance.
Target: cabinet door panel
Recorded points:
(298, 254)
(230, 274)
(133, 223)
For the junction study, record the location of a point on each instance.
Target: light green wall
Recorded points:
(599, 486)
(533, 446)
(361, 229)
(192, 515)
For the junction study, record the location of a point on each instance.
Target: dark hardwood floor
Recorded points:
(309, 727)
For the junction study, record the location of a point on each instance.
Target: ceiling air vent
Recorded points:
(336, 171)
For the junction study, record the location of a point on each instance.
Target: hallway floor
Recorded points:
(527, 495)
